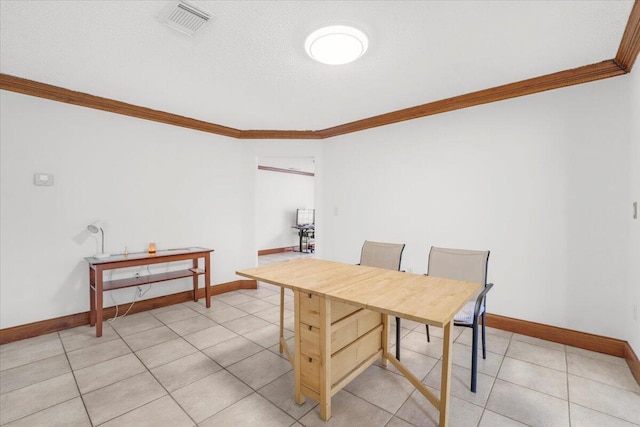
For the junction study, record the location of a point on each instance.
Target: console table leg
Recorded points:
(99, 303)
(207, 279)
(92, 297)
(195, 281)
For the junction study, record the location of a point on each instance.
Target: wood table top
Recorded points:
(424, 299)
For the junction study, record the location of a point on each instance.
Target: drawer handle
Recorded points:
(309, 295)
(310, 360)
(310, 327)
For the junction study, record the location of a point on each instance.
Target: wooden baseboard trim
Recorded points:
(599, 343)
(276, 250)
(42, 327)
(633, 362)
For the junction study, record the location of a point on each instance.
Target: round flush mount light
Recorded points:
(336, 44)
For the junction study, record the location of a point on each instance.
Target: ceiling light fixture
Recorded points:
(336, 44)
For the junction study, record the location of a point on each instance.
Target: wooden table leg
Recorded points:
(92, 297)
(207, 279)
(281, 320)
(385, 340)
(445, 385)
(297, 365)
(98, 302)
(325, 358)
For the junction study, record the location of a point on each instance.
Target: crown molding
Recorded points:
(623, 63)
(630, 43)
(584, 74)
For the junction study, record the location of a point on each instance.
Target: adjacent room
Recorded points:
(193, 195)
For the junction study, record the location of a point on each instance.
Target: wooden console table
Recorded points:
(97, 266)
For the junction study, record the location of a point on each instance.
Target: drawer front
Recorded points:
(353, 355)
(310, 309)
(340, 310)
(310, 373)
(353, 327)
(310, 341)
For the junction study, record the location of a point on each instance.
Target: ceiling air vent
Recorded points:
(185, 17)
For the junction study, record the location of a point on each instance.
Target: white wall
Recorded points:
(545, 182)
(146, 181)
(278, 195)
(542, 181)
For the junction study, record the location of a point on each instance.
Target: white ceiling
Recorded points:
(247, 68)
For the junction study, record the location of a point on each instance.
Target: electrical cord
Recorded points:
(138, 294)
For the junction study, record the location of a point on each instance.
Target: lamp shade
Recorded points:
(94, 229)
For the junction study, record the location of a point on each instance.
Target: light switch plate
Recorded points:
(40, 178)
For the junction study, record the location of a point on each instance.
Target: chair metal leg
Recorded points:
(484, 337)
(398, 338)
(428, 336)
(474, 356)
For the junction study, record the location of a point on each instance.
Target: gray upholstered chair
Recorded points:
(384, 255)
(470, 266)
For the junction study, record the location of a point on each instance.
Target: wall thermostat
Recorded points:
(43, 179)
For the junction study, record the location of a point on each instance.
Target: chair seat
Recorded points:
(465, 315)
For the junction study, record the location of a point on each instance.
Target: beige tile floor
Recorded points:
(187, 365)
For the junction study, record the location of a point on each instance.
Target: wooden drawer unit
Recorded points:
(355, 335)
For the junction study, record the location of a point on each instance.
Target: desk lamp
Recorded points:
(92, 228)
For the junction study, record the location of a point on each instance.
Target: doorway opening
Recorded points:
(285, 207)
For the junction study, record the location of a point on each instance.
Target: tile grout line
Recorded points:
(75, 380)
(222, 368)
(566, 361)
(154, 377)
(57, 376)
(564, 350)
(495, 379)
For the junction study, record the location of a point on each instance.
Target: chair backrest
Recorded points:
(382, 255)
(459, 264)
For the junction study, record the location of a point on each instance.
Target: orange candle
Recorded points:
(152, 248)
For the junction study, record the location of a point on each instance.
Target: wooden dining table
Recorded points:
(341, 317)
